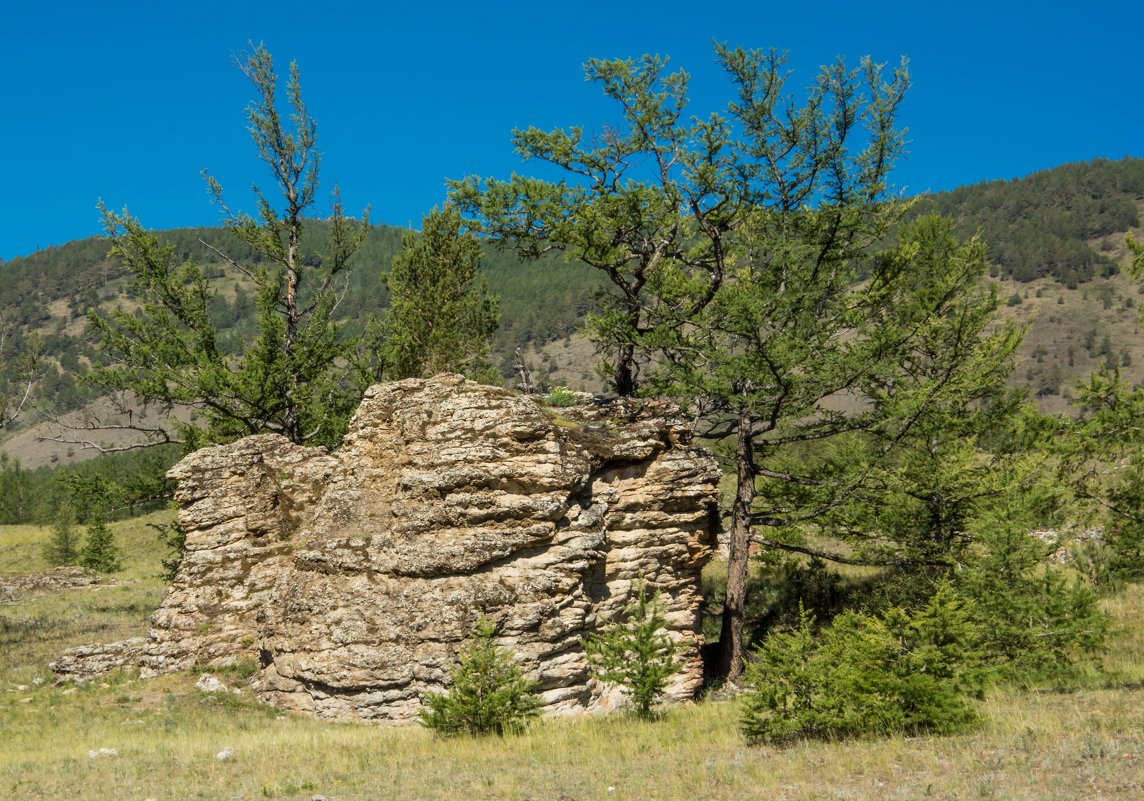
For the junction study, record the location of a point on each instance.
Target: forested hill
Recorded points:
(1048, 224)
(1065, 224)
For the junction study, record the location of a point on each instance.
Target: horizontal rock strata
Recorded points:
(354, 577)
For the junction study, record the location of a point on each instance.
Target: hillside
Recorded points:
(1055, 239)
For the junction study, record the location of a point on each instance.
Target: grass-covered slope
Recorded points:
(167, 736)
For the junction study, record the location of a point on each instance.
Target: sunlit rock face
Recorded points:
(353, 577)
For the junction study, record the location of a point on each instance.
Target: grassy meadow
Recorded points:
(1085, 744)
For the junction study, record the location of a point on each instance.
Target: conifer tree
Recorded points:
(487, 693)
(99, 552)
(636, 652)
(292, 377)
(63, 547)
(440, 316)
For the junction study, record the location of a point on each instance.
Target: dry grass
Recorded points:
(1086, 744)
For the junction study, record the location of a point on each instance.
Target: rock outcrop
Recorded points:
(353, 577)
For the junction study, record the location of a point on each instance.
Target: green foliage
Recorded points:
(1037, 623)
(702, 179)
(174, 537)
(1102, 462)
(898, 672)
(636, 653)
(124, 484)
(63, 547)
(441, 316)
(910, 332)
(487, 694)
(290, 376)
(99, 552)
(561, 398)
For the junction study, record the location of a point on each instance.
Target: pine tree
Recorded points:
(440, 315)
(487, 692)
(99, 552)
(636, 653)
(63, 547)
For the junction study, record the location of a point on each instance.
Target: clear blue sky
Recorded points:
(129, 101)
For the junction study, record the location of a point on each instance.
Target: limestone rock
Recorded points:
(353, 577)
(80, 664)
(209, 683)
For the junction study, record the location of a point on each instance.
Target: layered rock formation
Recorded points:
(353, 577)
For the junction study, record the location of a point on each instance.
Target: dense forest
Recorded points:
(1044, 225)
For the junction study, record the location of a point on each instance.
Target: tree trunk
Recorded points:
(625, 371)
(291, 422)
(731, 636)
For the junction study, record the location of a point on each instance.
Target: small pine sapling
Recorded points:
(99, 552)
(866, 675)
(488, 694)
(63, 547)
(636, 653)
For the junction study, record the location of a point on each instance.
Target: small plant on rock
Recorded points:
(488, 694)
(561, 397)
(636, 653)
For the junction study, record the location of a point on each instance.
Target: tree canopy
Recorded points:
(661, 189)
(291, 376)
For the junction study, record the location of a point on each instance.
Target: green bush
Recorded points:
(898, 672)
(1037, 623)
(561, 397)
(635, 653)
(487, 695)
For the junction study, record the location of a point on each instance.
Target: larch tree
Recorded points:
(295, 376)
(655, 188)
(440, 316)
(755, 278)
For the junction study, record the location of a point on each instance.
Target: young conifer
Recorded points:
(63, 547)
(99, 552)
(636, 653)
(488, 694)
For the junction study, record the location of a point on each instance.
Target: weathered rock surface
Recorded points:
(58, 578)
(353, 577)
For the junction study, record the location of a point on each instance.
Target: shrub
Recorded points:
(897, 672)
(635, 653)
(561, 397)
(487, 695)
(1038, 624)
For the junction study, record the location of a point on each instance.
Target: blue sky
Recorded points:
(128, 102)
